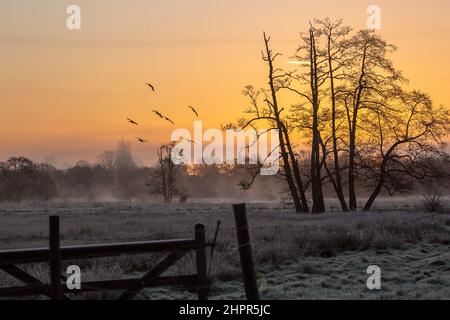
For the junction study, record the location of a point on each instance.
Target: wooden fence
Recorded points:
(54, 254)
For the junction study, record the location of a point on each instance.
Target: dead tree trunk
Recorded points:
(269, 58)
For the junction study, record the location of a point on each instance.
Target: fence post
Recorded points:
(245, 252)
(55, 259)
(202, 277)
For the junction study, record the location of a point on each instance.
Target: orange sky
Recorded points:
(65, 94)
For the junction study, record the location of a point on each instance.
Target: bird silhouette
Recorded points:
(193, 110)
(150, 86)
(132, 121)
(167, 119)
(141, 140)
(159, 114)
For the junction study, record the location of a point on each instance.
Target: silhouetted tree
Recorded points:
(166, 173)
(350, 96)
(370, 78)
(336, 60)
(403, 135)
(271, 113)
(106, 159)
(18, 174)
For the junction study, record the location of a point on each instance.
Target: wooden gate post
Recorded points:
(245, 252)
(202, 277)
(55, 259)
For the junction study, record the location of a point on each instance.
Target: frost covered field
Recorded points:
(297, 256)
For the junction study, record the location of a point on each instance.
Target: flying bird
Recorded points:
(159, 114)
(141, 140)
(193, 110)
(132, 121)
(167, 119)
(150, 86)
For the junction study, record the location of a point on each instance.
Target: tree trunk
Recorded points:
(163, 174)
(382, 178)
(287, 170)
(284, 154)
(316, 182)
(352, 127)
(297, 175)
(378, 187)
(351, 173)
(338, 181)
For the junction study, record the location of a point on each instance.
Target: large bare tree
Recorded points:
(401, 140)
(370, 77)
(270, 112)
(361, 122)
(336, 61)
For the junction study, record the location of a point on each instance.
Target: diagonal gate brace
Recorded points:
(152, 275)
(26, 278)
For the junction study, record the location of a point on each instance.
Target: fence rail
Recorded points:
(95, 250)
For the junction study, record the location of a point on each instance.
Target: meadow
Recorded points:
(297, 256)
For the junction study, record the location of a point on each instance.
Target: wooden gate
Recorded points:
(54, 254)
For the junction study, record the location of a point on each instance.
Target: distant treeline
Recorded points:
(115, 176)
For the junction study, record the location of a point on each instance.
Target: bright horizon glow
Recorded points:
(298, 62)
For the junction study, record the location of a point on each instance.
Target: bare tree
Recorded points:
(106, 159)
(354, 109)
(407, 131)
(270, 112)
(18, 173)
(311, 80)
(432, 200)
(370, 77)
(335, 52)
(166, 172)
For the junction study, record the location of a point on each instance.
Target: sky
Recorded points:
(65, 94)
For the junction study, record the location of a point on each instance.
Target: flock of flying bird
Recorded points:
(159, 114)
